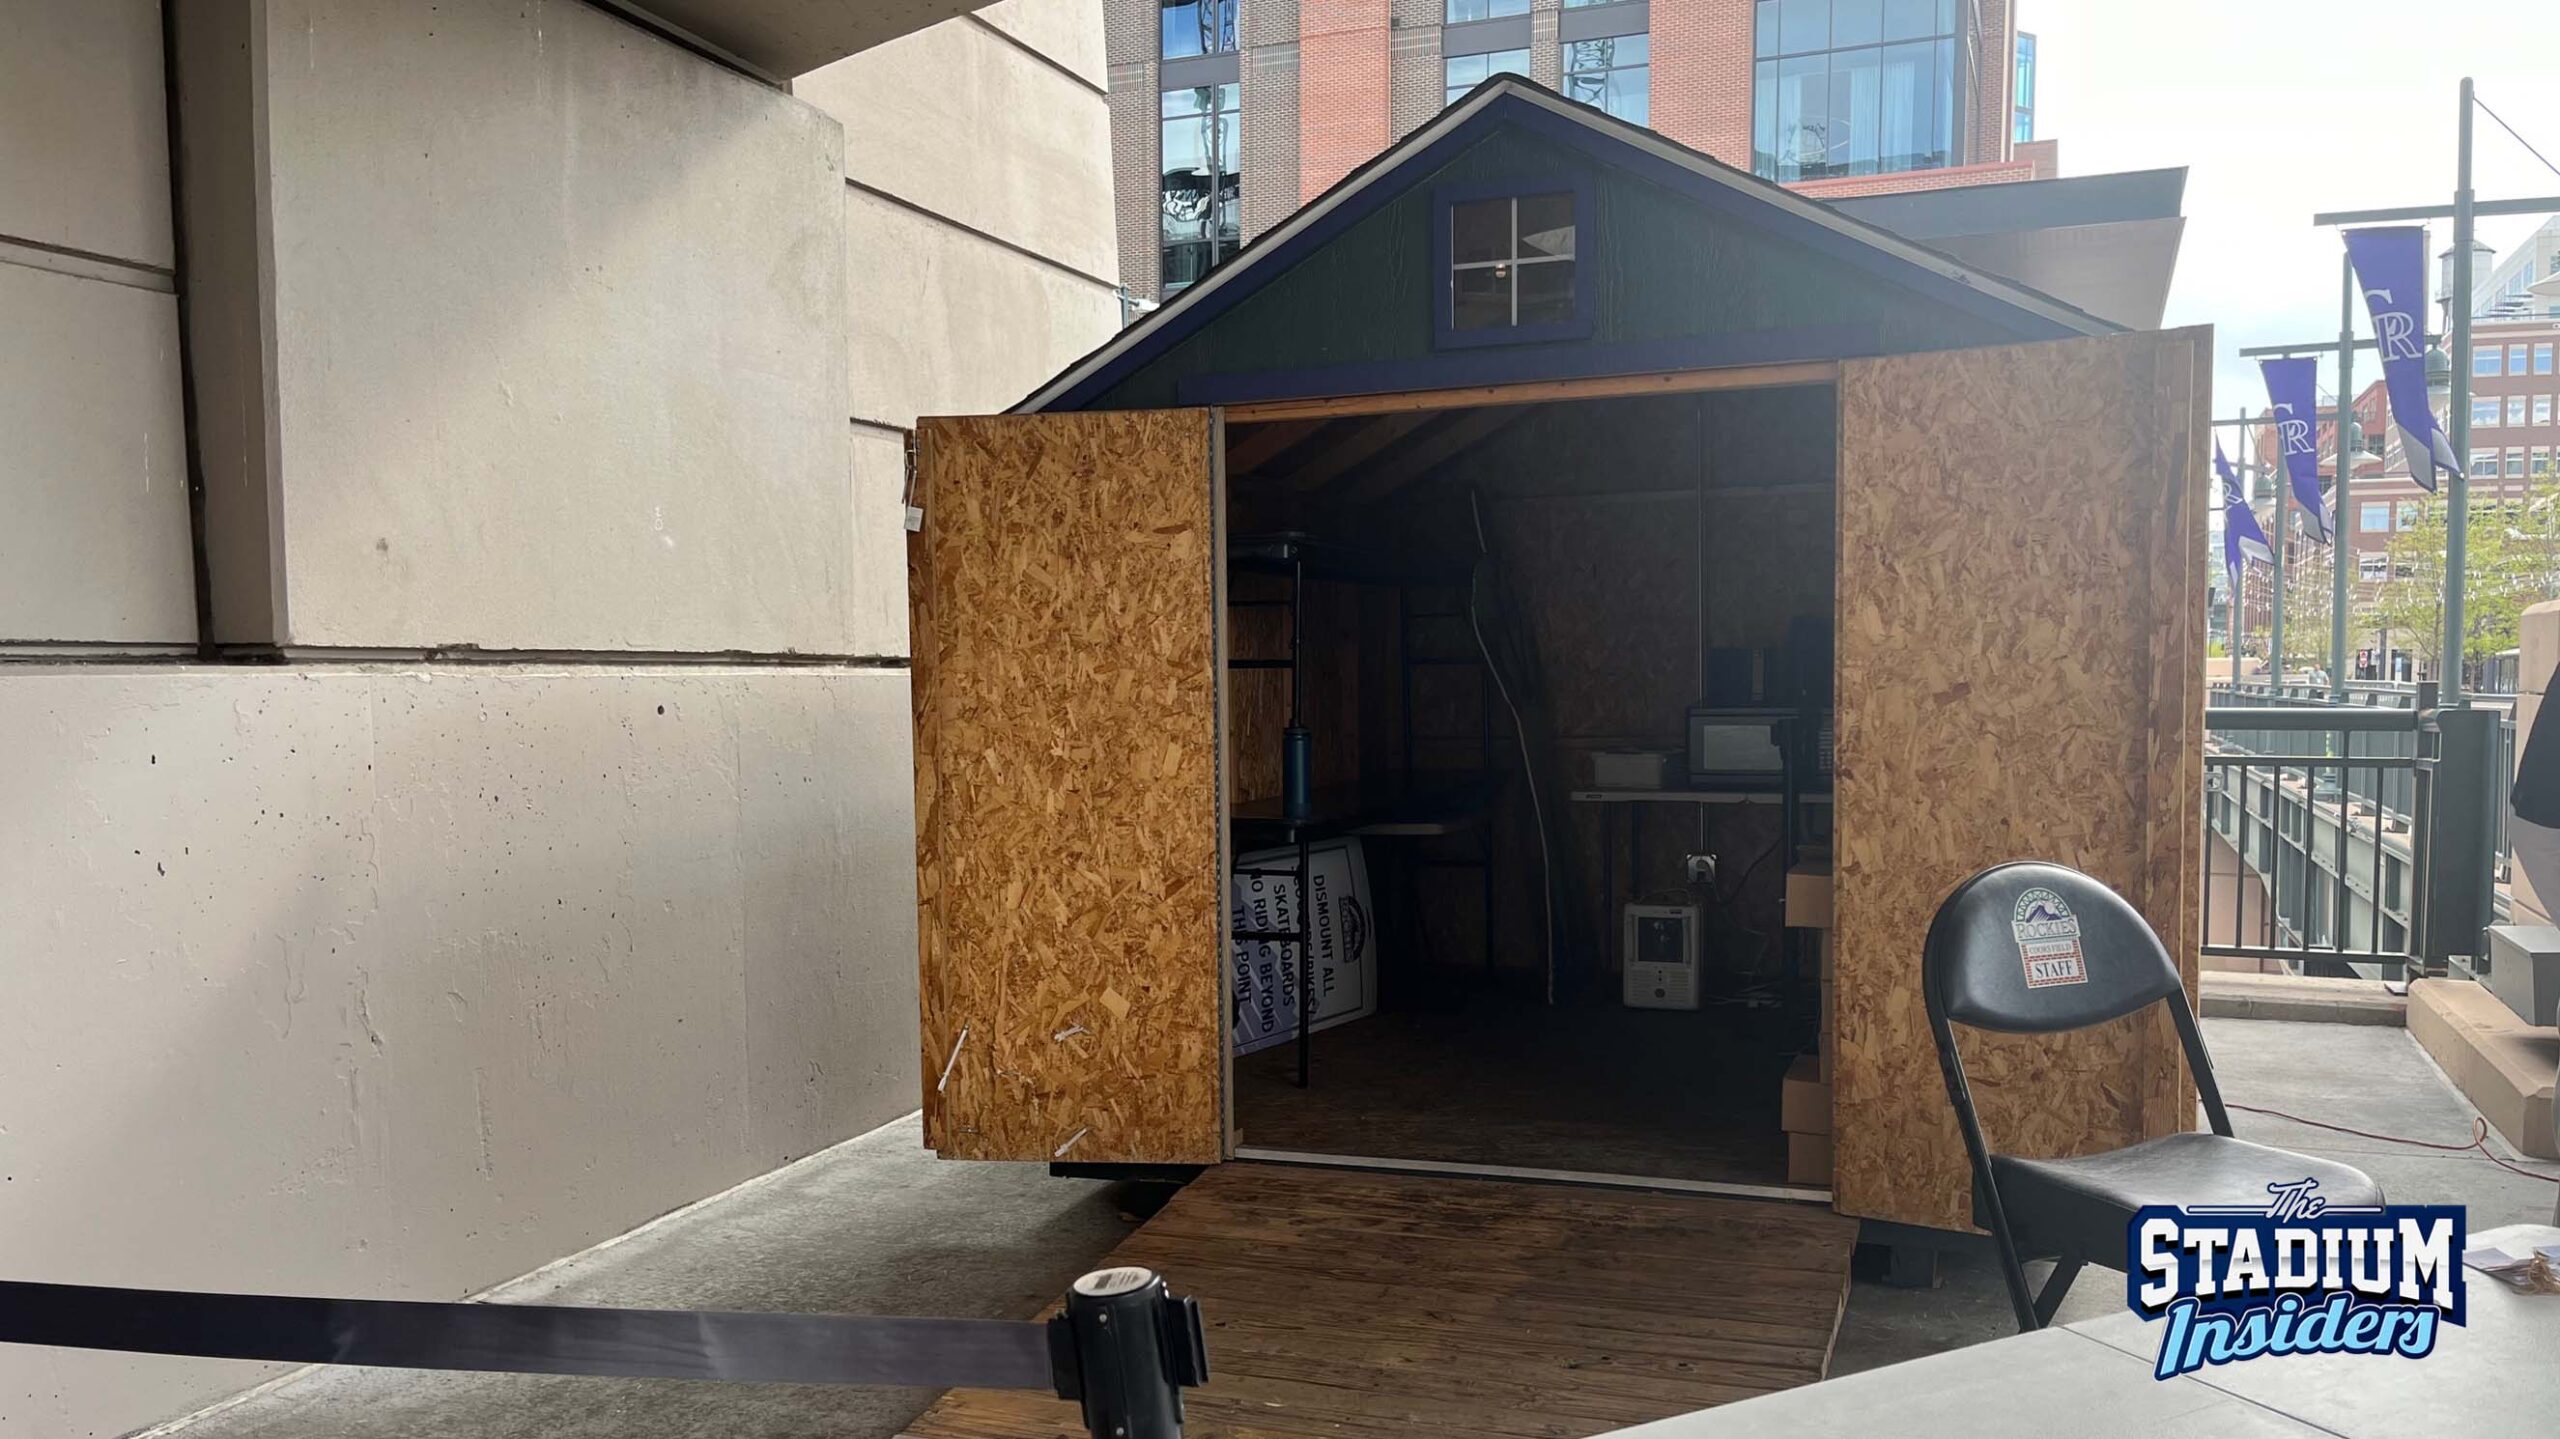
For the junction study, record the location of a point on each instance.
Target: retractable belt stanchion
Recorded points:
(1124, 1348)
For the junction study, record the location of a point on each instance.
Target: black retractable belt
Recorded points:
(1124, 1348)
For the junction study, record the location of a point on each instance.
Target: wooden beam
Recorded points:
(1264, 443)
(1667, 382)
(1364, 440)
(1459, 434)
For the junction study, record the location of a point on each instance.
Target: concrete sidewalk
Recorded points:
(2361, 1075)
(878, 1226)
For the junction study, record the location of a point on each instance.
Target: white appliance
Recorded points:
(1659, 956)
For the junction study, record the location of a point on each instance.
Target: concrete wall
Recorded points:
(513, 328)
(578, 386)
(978, 230)
(92, 438)
(400, 983)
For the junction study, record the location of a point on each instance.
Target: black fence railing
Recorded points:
(2314, 843)
(2389, 695)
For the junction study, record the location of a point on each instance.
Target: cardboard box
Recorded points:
(1808, 1159)
(1804, 1100)
(1809, 896)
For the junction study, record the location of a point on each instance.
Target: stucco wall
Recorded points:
(400, 983)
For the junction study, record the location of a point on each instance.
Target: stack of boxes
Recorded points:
(1804, 1106)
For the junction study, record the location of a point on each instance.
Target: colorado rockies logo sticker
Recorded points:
(2048, 940)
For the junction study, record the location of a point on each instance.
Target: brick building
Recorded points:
(1227, 115)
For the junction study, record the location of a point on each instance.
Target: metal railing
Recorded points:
(2315, 840)
(2393, 695)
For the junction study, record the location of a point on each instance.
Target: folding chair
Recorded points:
(2029, 948)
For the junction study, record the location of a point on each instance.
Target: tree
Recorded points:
(2512, 560)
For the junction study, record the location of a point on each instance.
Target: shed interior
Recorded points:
(1468, 608)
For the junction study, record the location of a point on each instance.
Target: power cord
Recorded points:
(2479, 1139)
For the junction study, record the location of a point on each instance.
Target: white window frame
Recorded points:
(1517, 259)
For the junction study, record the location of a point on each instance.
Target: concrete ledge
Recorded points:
(2284, 996)
(2501, 1064)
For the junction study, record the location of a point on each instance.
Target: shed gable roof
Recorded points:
(1508, 102)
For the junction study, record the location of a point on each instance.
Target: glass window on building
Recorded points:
(1613, 74)
(1196, 27)
(2515, 464)
(2542, 409)
(1462, 11)
(2372, 569)
(2517, 358)
(2541, 461)
(1855, 87)
(2515, 409)
(1466, 72)
(2410, 512)
(2542, 358)
(2374, 517)
(2484, 361)
(2484, 413)
(1511, 262)
(2483, 462)
(2022, 112)
(1202, 198)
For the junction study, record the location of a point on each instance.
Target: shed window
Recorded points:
(1512, 266)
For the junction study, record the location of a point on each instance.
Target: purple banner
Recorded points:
(2293, 389)
(2391, 268)
(2242, 539)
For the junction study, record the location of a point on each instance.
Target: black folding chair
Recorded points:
(2029, 948)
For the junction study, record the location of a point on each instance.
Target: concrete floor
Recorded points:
(878, 1226)
(2369, 1077)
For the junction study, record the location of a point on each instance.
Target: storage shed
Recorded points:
(1418, 649)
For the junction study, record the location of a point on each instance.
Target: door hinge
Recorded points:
(907, 495)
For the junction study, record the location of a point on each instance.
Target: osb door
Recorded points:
(2021, 643)
(1064, 592)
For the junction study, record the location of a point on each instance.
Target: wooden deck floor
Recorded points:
(1597, 1087)
(1358, 1304)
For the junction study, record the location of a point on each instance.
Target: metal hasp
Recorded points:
(2457, 792)
(1125, 1349)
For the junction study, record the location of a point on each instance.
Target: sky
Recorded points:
(2280, 109)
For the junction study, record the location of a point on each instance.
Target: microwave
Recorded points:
(1738, 748)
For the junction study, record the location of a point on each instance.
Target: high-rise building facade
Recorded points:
(1229, 114)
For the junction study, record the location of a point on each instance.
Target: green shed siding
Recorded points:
(1664, 268)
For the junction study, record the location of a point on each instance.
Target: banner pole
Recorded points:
(2347, 432)
(2457, 504)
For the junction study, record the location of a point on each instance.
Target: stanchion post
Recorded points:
(1125, 1349)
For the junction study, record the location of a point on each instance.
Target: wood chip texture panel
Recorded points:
(1364, 1306)
(1069, 841)
(2020, 660)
